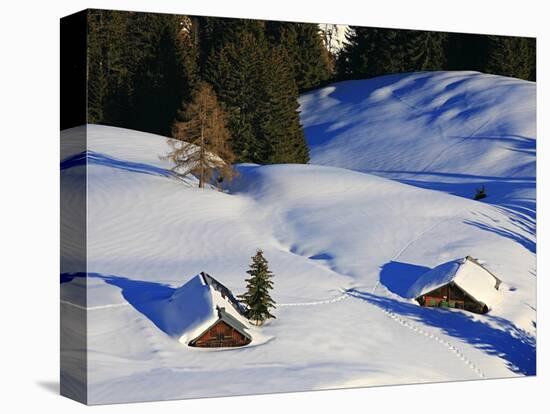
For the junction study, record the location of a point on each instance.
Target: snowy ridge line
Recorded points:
(90, 157)
(318, 302)
(89, 308)
(93, 157)
(116, 305)
(405, 323)
(344, 295)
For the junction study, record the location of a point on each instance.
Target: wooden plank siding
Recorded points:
(220, 335)
(451, 296)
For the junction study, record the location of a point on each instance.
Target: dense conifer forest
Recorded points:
(144, 67)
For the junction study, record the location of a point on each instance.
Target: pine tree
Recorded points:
(303, 42)
(257, 298)
(108, 80)
(511, 56)
(202, 140)
(140, 67)
(158, 82)
(281, 137)
(424, 50)
(234, 73)
(370, 52)
(255, 83)
(353, 59)
(499, 55)
(215, 33)
(466, 51)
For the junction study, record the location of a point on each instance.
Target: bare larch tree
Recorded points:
(201, 140)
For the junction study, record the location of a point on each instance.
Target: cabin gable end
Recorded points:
(452, 295)
(220, 335)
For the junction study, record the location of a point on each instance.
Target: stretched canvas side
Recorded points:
(73, 300)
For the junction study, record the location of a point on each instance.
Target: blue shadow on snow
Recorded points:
(514, 345)
(321, 256)
(501, 231)
(91, 157)
(148, 298)
(398, 277)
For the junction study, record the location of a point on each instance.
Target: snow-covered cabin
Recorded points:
(463, 283)
(204, 313)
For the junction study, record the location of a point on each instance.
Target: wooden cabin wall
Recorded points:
(220, 335)
(452, 296)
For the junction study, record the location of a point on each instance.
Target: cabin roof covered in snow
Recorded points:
(195, 306)
(467, 273)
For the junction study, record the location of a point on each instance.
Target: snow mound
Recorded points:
(193, 308)
(467, 273)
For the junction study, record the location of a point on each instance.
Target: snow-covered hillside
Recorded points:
(449, 131)
(345, 246)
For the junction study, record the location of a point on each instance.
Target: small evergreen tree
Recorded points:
(480, 193)
(257, 297)
(202, 140)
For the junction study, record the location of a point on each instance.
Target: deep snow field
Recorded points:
(387, 196)
(448, 131)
